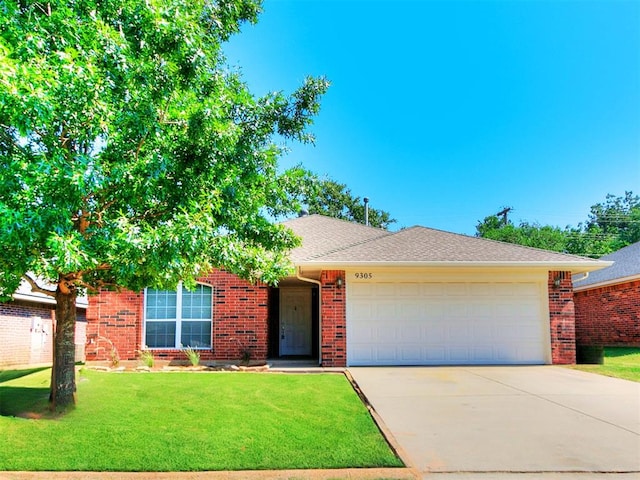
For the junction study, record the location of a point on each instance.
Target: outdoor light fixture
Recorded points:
(339, 282)
(556, 282)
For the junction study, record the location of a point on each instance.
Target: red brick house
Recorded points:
(608, 302)
(362, 296)
(27, 326)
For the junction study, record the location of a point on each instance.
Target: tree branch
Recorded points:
(37, 288)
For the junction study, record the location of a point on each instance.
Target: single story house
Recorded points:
(608, 301)
(362, 296)
(27, 326)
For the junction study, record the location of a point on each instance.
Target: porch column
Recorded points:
(333, 316)
(562, 318)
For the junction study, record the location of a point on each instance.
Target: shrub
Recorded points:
(192, 355)
(146, 357)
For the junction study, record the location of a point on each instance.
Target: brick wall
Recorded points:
(334, 331)
(562, 318)
(26, 334)
(114, 325)
(609, 316)
(240, 313)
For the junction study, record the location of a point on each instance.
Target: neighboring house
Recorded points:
(27, 326)
(362, 296)
(608, 302)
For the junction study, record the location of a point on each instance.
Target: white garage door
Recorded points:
(445, 323)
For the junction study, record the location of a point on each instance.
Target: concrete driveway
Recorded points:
(508, 422)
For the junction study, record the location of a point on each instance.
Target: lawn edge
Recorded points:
(320, 474)
(394, 445)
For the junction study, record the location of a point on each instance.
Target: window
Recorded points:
(180, 318)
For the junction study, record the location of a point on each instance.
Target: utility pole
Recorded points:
(503, 213)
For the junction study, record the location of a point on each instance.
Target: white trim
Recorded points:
(319, 284)
(574, 267)
(178, 320)
(606, 283)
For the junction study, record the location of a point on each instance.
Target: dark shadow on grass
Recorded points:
(6, 375)
(620, 351)
(23, 402)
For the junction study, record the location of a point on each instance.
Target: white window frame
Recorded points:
(178, 321)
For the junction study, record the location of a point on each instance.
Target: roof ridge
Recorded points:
(334, 219)
(501, 242)
(384, 233)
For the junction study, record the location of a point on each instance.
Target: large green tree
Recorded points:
(132, 156)
(328, 197)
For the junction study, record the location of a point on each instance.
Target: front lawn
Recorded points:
(190, 422)
(619, 362)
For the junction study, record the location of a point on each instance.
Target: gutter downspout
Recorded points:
(319, 284)
(586, 275)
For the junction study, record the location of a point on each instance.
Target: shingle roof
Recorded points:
(331, 241)
(627, 264)
(322, 235)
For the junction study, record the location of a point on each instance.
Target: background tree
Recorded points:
(617, 217)
(611, 225)
(527, 234)
(130, 156)
(327, 197)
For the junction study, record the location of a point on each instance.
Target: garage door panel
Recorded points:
(410, 333)
(431, 289)
(434, 332)
(483, 353)
(410, 353)
(457, 310)
(458, 354)
(433, 324)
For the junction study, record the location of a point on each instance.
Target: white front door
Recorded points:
(295, 321)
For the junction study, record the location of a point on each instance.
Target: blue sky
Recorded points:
(443, 112)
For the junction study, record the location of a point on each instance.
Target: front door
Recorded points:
(295, 321)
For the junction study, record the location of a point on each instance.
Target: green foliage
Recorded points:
(146, 357)
(192, 422)
(611, 226)
(619, 362)
(618, 218)
(130, 154)
(192, 355)
(530, 235)
(327, 197)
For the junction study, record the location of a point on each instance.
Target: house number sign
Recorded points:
(363, 275)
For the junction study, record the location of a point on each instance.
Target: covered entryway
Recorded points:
(447, 323)
(293, 321)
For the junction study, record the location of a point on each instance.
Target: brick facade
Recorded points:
(562, 318)
(333, 319)
(240, 313)
(609, 315)
(26, 333)
(240, 321)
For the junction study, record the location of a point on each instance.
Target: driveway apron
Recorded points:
(520, 419)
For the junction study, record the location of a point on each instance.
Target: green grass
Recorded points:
(618, 362)
(190, 422)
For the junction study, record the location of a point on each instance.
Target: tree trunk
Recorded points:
(63, 373)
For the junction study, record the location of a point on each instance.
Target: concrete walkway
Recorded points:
(508, 422)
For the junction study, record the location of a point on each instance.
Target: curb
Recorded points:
(337, 474)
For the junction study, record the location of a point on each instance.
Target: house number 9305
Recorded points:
(363, 275)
